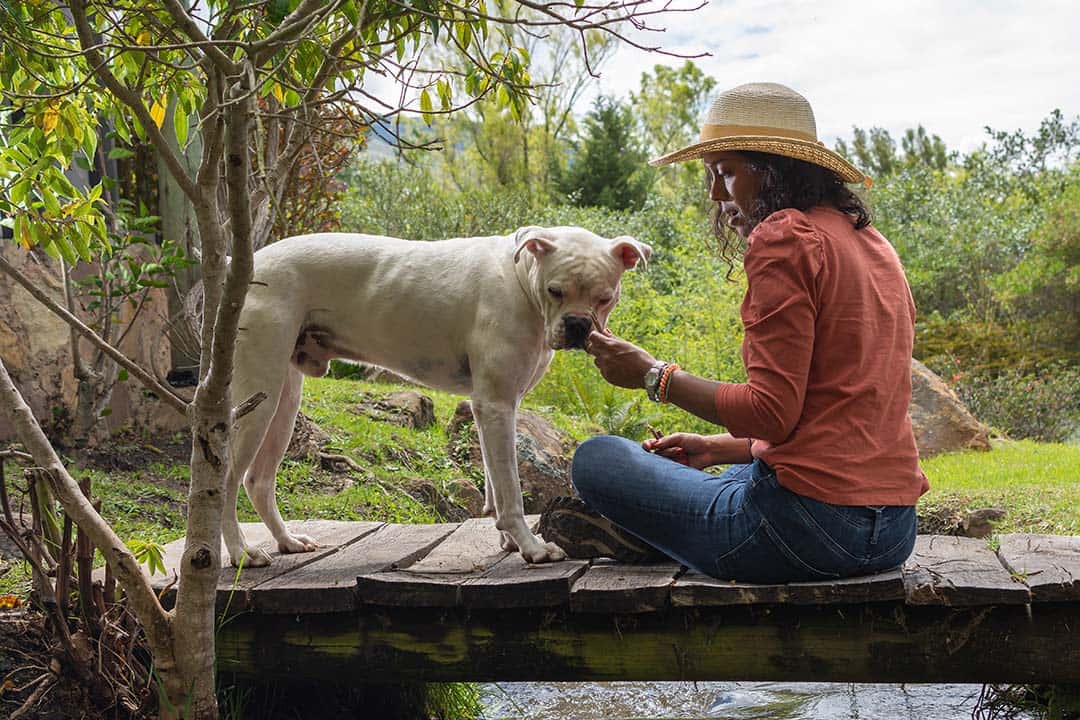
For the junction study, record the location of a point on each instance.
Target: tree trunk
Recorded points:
(178, 224)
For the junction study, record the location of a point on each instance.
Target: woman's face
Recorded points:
(733, 185)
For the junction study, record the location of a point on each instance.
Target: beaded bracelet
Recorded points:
(665, 380)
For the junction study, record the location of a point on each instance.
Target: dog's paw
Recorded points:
(543, 552)
(298, 544)
(250, 556)
(506, 542)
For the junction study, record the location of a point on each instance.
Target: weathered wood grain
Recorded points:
(514, 583)
(1048, 564)
(234, 585)
(436, 580)
(611, 587)
(329, 583)
(945, 570)
(696, 590)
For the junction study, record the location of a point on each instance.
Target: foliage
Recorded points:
(388, 198)
(1042, 404)
(875, 151)
(609, 168)
(987, 242)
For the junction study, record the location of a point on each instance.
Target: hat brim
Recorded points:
(811, 152)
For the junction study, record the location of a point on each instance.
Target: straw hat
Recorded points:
(768, 118)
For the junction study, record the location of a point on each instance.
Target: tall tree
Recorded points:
(262, 82)
(610, 169)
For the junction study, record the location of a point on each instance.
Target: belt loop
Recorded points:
(877, 524)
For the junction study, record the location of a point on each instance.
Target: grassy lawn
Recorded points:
(1037, 483)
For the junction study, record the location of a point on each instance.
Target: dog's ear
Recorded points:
(629, 250)
(534, 239)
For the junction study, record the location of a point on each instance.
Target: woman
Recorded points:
(824, 471)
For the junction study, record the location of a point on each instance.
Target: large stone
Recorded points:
(543, 453)
(407, 408)
(36, 347)
(939, 418)
(307, 441)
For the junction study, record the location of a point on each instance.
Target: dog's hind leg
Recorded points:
(261, 479)
(262, 365)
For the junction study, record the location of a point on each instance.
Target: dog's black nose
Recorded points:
(577, 329)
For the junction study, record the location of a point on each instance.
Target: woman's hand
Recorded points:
(621, 363)
(700, 451)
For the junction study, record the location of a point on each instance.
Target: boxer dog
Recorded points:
(474, 316)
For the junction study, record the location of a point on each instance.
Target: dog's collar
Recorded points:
(523, 280)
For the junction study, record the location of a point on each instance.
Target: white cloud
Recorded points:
(953, 66)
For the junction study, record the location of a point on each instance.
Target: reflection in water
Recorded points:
(736, 701)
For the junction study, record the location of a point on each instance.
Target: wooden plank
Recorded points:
(1048, 564)
(234, 586)
(514, 583)
(329, 583)
(436, 580)
(695, 589)
(612, 587)
(945, 570)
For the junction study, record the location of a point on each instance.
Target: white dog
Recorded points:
(476, 316)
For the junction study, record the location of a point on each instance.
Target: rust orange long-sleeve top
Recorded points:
(829, 325)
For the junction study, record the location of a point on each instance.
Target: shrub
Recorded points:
(1042, 405)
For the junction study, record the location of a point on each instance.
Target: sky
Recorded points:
(954, 66)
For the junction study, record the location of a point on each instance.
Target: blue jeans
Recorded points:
(741, 525)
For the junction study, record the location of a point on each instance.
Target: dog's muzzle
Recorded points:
(576, 329)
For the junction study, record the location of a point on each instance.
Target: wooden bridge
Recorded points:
(385, 602)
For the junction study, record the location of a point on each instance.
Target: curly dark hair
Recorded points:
(788, 183)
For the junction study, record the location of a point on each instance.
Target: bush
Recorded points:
(1042, 405)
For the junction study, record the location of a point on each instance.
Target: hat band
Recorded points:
(717, 132)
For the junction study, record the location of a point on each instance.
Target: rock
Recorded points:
(407, 408)
(308, 439)
(543, 453)
(939, 418)
(947, 520)
(425, 492)
(466, 494)
(36, 348)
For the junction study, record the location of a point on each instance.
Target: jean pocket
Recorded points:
(764, 557)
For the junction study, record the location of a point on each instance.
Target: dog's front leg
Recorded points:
(495, 423)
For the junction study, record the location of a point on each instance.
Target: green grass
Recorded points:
(1038, 484)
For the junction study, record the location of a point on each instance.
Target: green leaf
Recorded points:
(180, 124)
(81, 242)
(105, 412)
(52, 205)
(20, 190)
(119, 153)
(348, 9)
(66, 251)
(123, 375)
(425, 105)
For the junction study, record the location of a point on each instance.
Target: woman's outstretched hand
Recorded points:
(620, 362)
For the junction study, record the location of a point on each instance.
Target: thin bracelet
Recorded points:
(665, 381)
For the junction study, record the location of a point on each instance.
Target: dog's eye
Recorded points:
(605, 301)
(555, 293)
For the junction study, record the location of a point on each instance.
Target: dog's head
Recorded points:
(575, 278)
